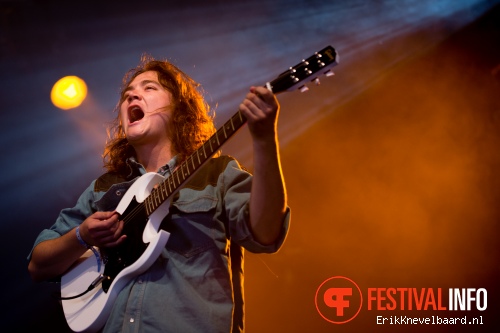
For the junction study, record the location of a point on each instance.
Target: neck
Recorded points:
(153, 157)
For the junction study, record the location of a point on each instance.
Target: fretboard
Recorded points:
(190, 165)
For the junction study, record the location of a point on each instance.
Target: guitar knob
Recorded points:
(329, 73)
(316, 81)
(303, 88)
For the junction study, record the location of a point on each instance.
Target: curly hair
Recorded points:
(191, 123)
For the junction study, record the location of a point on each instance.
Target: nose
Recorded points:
(132, 95)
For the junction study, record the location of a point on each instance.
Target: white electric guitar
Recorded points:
(90, 287)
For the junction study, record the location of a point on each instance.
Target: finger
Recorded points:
(118, 229)
(117, 242)
(253, 108)
(103, 215)
(259, 101)
(102, 238)
(104, 230)
(263, 94)
(115, 230)
(104, 223)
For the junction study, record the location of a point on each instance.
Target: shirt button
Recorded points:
(131, 320)
(140, 281)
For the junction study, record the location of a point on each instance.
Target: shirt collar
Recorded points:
(136, 167)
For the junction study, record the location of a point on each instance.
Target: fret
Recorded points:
(172, 181)
(204, 152)
(162, 192)
(177, 173)
(224, 129)
(149, 205)
(232, 125)
(146, 205)
(157, 198)
(169, 188)
(192, 161)
(153, 200)
(211, 148)
(184, 172)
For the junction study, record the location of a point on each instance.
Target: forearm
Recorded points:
(268, 195)
(53, 257)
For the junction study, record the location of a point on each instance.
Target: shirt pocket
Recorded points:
(191, 225)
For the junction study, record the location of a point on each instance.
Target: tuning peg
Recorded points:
(303, 88)
(329, 73)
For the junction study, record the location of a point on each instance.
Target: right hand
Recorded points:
(103, 229)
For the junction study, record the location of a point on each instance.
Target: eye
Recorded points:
(150, 87)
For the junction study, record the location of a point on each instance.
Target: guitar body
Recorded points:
(88, 313)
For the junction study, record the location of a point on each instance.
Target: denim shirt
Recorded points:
(196, 284)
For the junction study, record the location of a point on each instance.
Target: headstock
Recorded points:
(308, 70)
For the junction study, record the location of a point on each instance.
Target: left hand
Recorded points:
(261, 108)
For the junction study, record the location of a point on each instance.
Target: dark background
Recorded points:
(391, 165)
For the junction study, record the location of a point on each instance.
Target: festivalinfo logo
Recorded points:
(339, 300)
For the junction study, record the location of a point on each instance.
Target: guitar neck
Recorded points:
(295, 77)
(190, 165)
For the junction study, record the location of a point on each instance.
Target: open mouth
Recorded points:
(135, 114)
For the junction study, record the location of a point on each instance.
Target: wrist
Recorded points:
(80, 239)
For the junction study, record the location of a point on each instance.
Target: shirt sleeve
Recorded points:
(237, 186)
(69, 218)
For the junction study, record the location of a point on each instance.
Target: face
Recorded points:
(145, 110)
